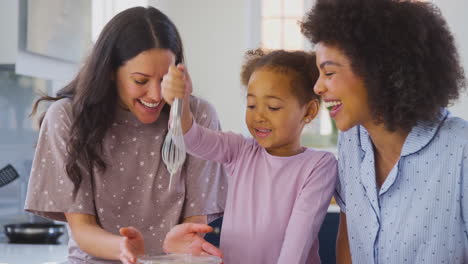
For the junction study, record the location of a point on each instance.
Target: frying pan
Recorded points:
(34, 233)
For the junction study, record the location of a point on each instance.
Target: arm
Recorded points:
(197, 219)
(95, 241)
(188, 238)
(343, 254)
(209, 144)
(204, 142)
(177, 84)
(464, 191)
(185, 238)
(308, 213)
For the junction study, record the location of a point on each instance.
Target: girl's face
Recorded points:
(139, 83)
(342, 91)
(274, 115)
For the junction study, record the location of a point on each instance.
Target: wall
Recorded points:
(216, 34)
(8, 31)
(103, 10)
(35, 65)
(454, 12)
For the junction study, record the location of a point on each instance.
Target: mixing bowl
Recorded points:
(179, 259)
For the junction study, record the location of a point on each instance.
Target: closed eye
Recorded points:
(251, 106)
(329, 73)
(141, 82)
(274, 108)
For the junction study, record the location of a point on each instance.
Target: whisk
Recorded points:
(173, 151)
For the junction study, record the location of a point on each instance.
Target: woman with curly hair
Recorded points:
(388, 70)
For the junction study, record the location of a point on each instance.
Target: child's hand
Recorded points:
(131, 245)
(176, 84)
(188, 81)
(185, 238)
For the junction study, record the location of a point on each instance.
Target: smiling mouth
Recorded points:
(330, 105)
(148, 104)
(262, 132)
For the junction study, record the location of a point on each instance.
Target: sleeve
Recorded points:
(464, 191)
(50, 189)
(205, 139)
(340, 197)
(206, 183)
(309, 212)
(209, 144)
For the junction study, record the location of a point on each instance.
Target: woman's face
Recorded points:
(343, 92)
(139, 83)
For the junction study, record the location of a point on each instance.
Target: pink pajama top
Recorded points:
(275, 205)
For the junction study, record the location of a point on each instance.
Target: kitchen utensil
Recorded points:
(7, 175)
(173, 151)
(40, 233)
(179, 259)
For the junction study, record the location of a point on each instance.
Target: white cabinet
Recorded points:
(8, 31)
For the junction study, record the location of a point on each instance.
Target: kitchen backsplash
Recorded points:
(17, 138)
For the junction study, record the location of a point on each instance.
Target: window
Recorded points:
(104, 10)
(280, 30)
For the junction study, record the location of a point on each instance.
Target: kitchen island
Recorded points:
(32, 254)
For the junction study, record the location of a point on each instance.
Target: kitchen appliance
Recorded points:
(34, 233)
(7, 175)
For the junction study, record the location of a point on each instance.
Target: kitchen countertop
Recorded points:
(32, 254)
(50, 254)
(333, 208)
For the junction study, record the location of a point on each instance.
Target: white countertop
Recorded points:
(32, 254)
(51, 254)
(332, 208)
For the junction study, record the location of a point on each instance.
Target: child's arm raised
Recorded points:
(309, 211)
(177, 84)
(200, 141)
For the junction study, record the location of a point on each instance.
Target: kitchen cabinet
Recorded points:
(8, 31)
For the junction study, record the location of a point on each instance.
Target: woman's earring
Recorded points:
(307, 120)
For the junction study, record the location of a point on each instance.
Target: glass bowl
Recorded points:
(178, 259)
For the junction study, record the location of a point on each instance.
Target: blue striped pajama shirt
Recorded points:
(420, 214)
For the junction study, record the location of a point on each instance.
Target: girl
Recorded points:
(279, 191)
(98, 164)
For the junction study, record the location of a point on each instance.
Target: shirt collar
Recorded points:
(422, 134)
(419, 136)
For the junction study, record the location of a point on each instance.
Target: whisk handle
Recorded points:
(177, 107)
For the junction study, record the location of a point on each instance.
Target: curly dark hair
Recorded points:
(93, 91)
(300, 63)
(403, 50)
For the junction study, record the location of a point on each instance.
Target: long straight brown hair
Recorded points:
(93, 91)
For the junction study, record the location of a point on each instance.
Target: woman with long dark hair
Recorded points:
(98, 164)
